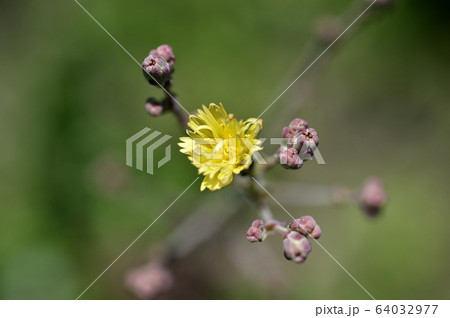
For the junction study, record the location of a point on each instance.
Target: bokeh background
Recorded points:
(70, 97)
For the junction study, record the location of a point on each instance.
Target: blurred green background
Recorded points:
(70, 97)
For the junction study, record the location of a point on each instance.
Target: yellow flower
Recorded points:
(220, 145)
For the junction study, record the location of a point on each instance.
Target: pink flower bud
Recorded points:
(257, 232)
(289, 158)
(372, 196)
(288, 132)
(298, 124)
(295, 126)
(166, 52)
(150, 280)
(153, 107)
(156, 70)
(311, 136)
(306, 225)
(296, 247)
(305, 142)
(316, 232)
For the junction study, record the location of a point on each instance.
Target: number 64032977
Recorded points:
(406, 309)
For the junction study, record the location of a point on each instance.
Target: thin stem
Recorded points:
(272, 225)
(180, 115)
(174, 107)
(260, 169)
(265, 213)
(296, 194)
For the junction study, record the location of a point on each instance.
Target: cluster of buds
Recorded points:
(301, 143)
(306, 226)
(158, 66)
(295, 242)
(257, 232)
(296, 245)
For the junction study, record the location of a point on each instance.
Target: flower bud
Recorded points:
(306, 225)
(289, 158)
(288, 132)
(311, 136)
(153, 107)
(149, 280)
(304, 140)
(317, 232)
(257, 232)
(298, 124)
(166, 52)
(296, 247)
(295, 126)
(372, 196)
(156, 70)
